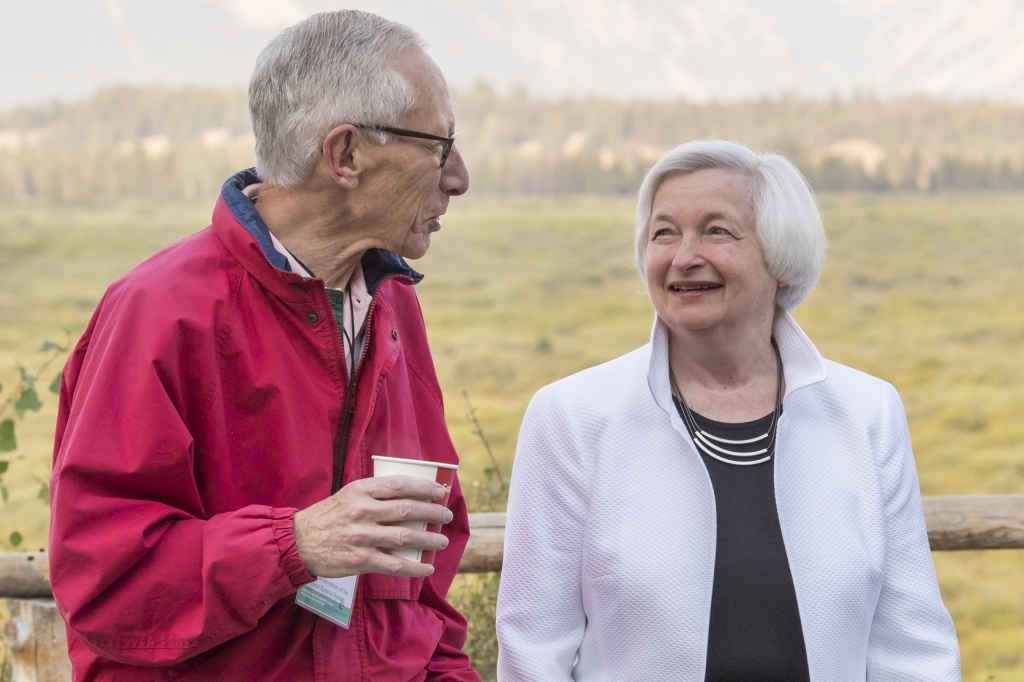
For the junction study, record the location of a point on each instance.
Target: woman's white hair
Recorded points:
(788, 222)
(322, 72)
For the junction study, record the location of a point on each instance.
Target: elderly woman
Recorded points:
(723, 503)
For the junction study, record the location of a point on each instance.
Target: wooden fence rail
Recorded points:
(36, 636)
(975, 522)
(955, 522)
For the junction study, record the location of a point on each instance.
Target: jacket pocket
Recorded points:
(377, 586)
(402, 637)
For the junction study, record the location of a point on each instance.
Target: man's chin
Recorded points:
(417, 250)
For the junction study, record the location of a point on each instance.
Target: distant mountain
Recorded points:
(944, 47)
(728, 49)
(699, 49)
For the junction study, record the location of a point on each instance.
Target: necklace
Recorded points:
(745, 452)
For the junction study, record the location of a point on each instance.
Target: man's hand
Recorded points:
(343, 535)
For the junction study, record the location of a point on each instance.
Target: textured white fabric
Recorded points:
(610, 543)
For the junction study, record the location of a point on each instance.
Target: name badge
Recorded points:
(329, 598)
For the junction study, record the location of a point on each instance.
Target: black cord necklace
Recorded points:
(752, 450)
(347, 293)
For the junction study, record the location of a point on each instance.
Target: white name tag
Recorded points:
(329, 598)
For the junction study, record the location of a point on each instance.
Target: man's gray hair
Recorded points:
(322, 72)
(788, 222)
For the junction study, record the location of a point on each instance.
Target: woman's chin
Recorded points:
(691, 315)
(692, 321)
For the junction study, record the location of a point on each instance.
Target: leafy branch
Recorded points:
(24, 397)
(493, 473)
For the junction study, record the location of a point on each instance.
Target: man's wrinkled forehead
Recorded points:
(427, 81)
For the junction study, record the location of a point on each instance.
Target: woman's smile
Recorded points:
(693, 290)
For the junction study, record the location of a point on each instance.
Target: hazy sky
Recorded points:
(701, 49)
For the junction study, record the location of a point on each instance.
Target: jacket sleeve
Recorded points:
(139, 571)
(540, 617)
(912, 635)
(449, 662)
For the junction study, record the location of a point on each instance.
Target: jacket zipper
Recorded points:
(348, 406)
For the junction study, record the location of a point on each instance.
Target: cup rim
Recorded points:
(406, 460)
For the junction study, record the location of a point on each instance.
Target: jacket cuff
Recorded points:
(282, 523)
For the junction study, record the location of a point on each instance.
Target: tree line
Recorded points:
(181, 143)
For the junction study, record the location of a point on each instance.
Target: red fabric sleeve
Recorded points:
(139, 570)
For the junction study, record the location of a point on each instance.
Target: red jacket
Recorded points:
(201, 408)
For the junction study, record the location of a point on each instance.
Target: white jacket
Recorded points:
(610, 543)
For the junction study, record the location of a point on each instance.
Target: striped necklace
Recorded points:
(739, 452)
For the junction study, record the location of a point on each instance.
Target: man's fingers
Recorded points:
(390, 512)
(409, 487)
(380, 562)
(393, 537)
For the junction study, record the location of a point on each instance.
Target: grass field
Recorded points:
(924, 291)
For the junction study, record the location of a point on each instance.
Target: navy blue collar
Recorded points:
(377, 263)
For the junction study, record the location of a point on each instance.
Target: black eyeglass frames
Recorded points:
(446, 142)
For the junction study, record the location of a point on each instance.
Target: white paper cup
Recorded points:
(418, 468)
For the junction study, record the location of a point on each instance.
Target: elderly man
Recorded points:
(212, 478)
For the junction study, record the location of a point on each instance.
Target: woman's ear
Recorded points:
(342, 152)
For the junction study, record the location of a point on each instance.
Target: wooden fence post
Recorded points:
(38, 642)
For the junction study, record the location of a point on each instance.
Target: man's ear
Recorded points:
(342, 155)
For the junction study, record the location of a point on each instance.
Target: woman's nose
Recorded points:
(688, 253)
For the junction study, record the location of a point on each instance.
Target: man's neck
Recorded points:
(320, 233)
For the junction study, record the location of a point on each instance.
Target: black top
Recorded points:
(754, 633)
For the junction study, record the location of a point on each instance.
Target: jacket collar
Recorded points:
(378, 264)
(802, 364)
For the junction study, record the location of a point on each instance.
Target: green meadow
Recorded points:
(925, 291)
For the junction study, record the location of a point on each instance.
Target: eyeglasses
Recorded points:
(446, 142)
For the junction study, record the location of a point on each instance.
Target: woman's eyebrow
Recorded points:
(716, 215)
(729, 218)
(708, 218)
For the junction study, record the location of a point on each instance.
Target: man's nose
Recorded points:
(455, 174)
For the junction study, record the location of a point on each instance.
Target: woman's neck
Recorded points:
(729, 375)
